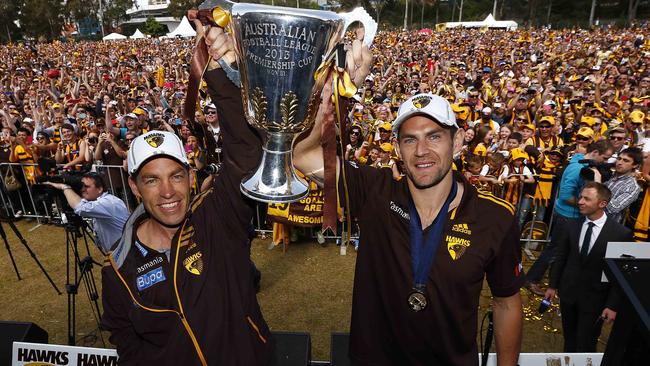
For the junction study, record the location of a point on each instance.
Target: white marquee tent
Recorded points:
(114, 37)
(184, 30)
(488, 22)
(137, 35)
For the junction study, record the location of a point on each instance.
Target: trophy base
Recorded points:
(298, 190)
(275, 179)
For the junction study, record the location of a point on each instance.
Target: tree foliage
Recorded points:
(45, 18)
(153, 28)
(41, 18)
(81, 9)
(179, 8)
(114, 12)
(8, 13)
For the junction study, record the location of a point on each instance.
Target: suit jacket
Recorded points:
(579, 279)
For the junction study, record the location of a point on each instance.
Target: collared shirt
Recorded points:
(614, 157)
(625, 190)
(598, 225)
(109, 214)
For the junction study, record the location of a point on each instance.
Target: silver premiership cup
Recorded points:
(279, 51)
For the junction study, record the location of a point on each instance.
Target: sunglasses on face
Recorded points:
(582, 138)
(210, 112)
(544, 127)
(616, 138)
(381, 130)
(355, 133)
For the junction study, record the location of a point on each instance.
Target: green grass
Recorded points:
(307, 288)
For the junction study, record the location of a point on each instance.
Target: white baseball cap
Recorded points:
(433, 106)
(153, 145)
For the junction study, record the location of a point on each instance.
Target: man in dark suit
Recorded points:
(586, 301)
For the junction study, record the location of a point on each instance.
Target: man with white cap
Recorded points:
(427, 243)
(486, 120)
(177, 287)
(130, 123)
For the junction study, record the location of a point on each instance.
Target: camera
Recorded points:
(212, 169)
(605, 169)
(53, 199)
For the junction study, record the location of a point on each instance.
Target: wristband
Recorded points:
(66, 187)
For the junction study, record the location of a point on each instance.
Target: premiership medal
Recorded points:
(417, 301)
(423, 249)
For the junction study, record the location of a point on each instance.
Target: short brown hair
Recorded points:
(604, 194)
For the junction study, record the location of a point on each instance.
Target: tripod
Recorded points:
(79, 269)
(31, 253)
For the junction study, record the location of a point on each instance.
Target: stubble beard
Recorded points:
(437, 178)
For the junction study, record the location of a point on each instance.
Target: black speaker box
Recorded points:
(11, 332)
(339, 348)
(291, 349)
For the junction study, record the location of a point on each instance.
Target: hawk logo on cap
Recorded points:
(155, 140)
(421, 101)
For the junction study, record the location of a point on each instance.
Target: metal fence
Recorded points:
(34, 201)
(28, 197)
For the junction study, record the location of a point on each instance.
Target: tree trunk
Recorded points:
(453, 11)
(592, 13)
(406, 15)
(437, 8)
(460, 14)
(632, 7)
(548, 14)
(532, 6)
(422, 16)
(494, 10)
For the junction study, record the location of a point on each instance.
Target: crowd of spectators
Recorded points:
(531, 102)
(77, 105)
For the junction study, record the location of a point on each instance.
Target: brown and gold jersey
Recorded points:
(480, 239)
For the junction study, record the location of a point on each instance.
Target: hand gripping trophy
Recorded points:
(282, 54)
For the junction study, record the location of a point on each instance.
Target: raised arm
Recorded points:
(308, 153)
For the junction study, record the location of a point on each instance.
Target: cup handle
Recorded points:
(361, 15)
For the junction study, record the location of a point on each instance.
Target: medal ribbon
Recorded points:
(424, 247)
(342, 87)
(200, 57)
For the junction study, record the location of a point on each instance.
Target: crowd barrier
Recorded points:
(32, 201)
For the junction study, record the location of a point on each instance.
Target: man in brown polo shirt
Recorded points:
(416, 292)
